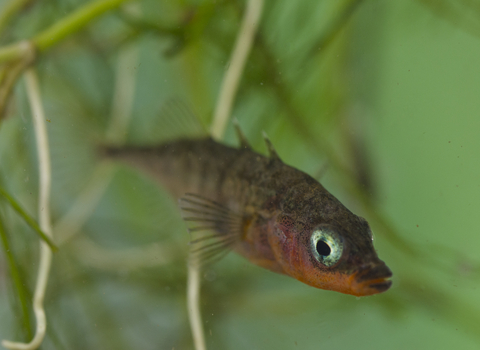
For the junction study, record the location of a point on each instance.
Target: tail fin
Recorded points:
(79, 143)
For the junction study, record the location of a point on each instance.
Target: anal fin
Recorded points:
(214, 229)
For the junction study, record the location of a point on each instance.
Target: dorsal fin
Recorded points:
(176, 120)
(271, 151)
(241, 136)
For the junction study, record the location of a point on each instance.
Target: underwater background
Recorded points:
(378, 100)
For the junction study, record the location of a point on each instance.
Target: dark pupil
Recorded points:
(323, 248)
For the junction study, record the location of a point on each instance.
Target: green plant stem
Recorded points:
(17, 282)
(28, 219)
(61, 29)
(9, 10)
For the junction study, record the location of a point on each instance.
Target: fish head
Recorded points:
(332, 253)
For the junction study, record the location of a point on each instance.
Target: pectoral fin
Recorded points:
(214, 229)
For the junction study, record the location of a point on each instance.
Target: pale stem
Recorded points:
(33, 92)
(83, 207)
(126, 259)
(123, 97)
(235, 68)
(71, 223)
(223, 109)
(193, 297)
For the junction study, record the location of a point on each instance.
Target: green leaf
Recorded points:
(22, 293)
(28, 219)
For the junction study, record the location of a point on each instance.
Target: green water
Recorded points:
(393, 91)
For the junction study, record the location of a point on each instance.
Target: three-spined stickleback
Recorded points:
(274, 215)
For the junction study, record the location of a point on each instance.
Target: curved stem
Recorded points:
(124, 95)
(231, 79)
(193, 297)
(38, 115)
(228, 91)
(121, 113)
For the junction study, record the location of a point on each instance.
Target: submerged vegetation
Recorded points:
(377, 100)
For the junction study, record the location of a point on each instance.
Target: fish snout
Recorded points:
(374, 278)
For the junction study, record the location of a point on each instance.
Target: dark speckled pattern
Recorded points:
(281, 205)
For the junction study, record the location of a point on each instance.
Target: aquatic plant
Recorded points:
(376, 99)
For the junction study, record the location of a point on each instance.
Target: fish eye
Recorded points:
(327, 246)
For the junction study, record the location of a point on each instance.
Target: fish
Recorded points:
(274, 215)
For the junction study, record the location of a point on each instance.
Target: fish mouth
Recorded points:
(380, 285)
(373, 279)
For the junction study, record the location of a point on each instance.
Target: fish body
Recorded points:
(276, 216)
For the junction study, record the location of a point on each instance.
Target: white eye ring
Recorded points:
(326, 246)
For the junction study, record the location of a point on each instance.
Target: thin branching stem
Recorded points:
(193, 297)
(73, 220)
(33, 92)
(64, 27)
(223, 109)
(124, 95)
(71, 223)
(232, 76)
(127, 259)
(121, 113)
(9, 10)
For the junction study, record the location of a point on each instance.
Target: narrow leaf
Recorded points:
(22, 293)
(28, 219)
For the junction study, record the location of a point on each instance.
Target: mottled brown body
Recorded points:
(279, 207)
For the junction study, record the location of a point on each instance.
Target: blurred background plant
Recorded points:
(378, 99)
